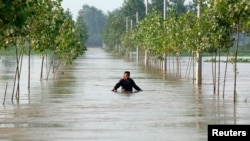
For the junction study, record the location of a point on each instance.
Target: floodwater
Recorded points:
(78, 103)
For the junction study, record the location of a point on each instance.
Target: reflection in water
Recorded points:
(79, 104)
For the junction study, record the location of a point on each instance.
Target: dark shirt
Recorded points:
(127, 85)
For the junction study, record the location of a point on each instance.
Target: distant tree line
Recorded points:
(94, 20)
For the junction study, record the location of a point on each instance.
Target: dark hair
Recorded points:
(128, 72)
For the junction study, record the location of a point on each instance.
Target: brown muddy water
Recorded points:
(79, 105)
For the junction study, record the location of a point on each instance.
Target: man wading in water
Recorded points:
(126, 83)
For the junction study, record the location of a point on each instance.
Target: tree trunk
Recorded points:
(225, 75)
(213, 74)
(235, 65)
(29, 73)
(218, 88)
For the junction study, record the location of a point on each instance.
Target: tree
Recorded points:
(95, 21)
(178, 5)
(41, 26)
(158, 4)
(113, 30)
(131, 7)
(238, 12)
(13, 15)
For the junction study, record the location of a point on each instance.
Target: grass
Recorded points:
(239, 60)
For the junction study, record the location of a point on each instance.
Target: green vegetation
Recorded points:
(39, 26)
(94, 20)
(240, 60)
(218, 28)
(181, 31)
(215, 29)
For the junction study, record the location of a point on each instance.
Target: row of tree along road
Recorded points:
(40, 26)
(154, 31)
(166, 28)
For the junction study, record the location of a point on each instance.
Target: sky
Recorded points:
(105, 5)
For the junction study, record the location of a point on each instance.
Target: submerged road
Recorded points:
(80, 106)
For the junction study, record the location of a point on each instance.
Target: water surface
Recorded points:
(79, 104)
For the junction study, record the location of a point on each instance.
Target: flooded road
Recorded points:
(79, 105)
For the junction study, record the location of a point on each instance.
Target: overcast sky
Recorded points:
(104, 5)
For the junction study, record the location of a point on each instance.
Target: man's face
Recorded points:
(126, 76)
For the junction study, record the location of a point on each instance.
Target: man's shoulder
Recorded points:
(131, 79)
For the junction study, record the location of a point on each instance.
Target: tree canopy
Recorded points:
(43, 25)
(94, 20)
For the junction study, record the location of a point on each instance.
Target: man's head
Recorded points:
(126, 75)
